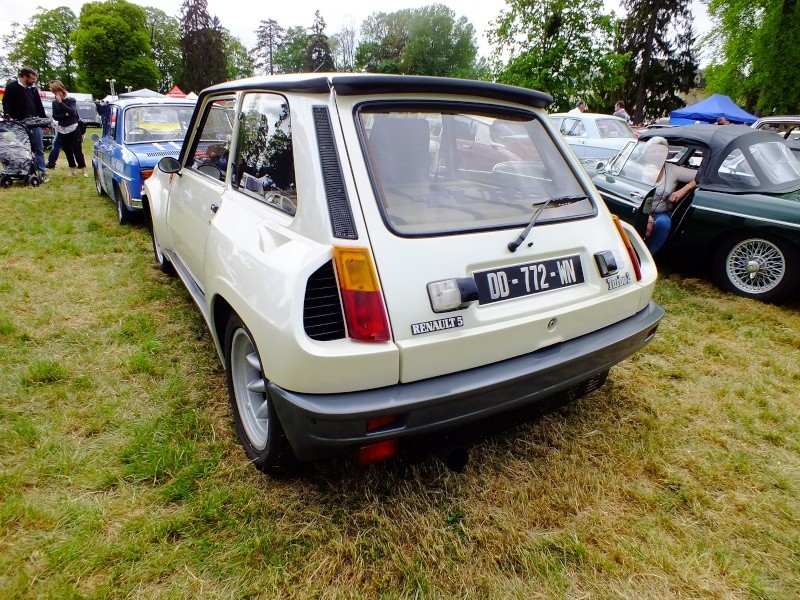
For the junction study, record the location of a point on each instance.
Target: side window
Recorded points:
(113, 113)
(211, 145)
(736, 170)
(263, 166)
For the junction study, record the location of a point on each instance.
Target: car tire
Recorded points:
(98, 184)
(254, 416)
(164, 264)
(756, 266)
(124, 216)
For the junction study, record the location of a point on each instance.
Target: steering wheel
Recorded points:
(139, 130)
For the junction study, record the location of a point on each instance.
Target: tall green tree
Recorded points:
(203, 46)
(559, 48)
(165, 40)
(291, 54)
(424, 41)
(439, 44)
(269, 37)
(45, 44)
(755, 58)
(319, 57)
(657, 36)
(383, 37)
(239, 63)
(117, 25)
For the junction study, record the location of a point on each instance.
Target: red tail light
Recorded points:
(376, 452)
(637, 267)
(364, 311)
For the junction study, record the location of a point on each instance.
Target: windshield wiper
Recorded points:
(537, 210)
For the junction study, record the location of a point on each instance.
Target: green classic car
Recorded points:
(743, 219)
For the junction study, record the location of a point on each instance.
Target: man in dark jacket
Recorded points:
(20, 101)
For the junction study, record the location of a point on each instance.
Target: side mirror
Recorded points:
(169, 164)
(95, 137)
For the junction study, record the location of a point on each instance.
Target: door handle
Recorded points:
(214, 208)
(636, 195)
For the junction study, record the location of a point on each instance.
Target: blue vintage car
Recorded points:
(137, 133)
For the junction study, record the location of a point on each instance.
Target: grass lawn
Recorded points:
(120, 475)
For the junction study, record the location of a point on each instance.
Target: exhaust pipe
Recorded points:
(454, 456)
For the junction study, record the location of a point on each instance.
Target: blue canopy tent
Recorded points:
(709, 110)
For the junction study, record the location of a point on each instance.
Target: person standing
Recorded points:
(65, 112)
(22, 100)
(619, 111)
(53, 156)
(580, 108)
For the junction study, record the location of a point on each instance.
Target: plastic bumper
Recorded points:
(321, 425)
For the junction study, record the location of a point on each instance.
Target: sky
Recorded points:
(241, 18)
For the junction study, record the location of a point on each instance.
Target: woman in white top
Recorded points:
(65, 113)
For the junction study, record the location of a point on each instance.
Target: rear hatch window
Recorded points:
(439, 170)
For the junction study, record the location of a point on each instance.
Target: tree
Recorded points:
(754, 54)
(343, 45)
(424, 41)
(203, 47)
(8, 66)
(384, 35)
(117, 25)
(438, 44)
(318, 55)
(559, 48)
(239, 63)
(45, 44)
(269, 37)
(291, 54)
(658, 39)
(165, 39)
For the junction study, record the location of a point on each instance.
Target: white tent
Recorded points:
(142, 93)
(191, 96)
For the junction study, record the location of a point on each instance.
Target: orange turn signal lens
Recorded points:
(364, 311)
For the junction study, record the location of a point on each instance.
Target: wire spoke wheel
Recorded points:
(755, 266)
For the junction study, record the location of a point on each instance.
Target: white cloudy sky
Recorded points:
(241, 18)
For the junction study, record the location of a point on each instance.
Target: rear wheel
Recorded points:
(98, 185)
(34, 180)
(257, 424)
(124, 216)
(5, 181)
(756, 266)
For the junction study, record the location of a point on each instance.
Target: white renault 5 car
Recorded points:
(379, 257)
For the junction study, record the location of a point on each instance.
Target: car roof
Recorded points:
(144, 101)
(721, 140)
(588, 115)
(352, 84)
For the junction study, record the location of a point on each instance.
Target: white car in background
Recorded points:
(594, 135)
(380, 257)
(787, 126)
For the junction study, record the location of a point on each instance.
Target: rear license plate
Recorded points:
(527, 279)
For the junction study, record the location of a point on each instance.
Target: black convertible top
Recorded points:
(720, 141)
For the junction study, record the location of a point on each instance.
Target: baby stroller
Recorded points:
(16, 153)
